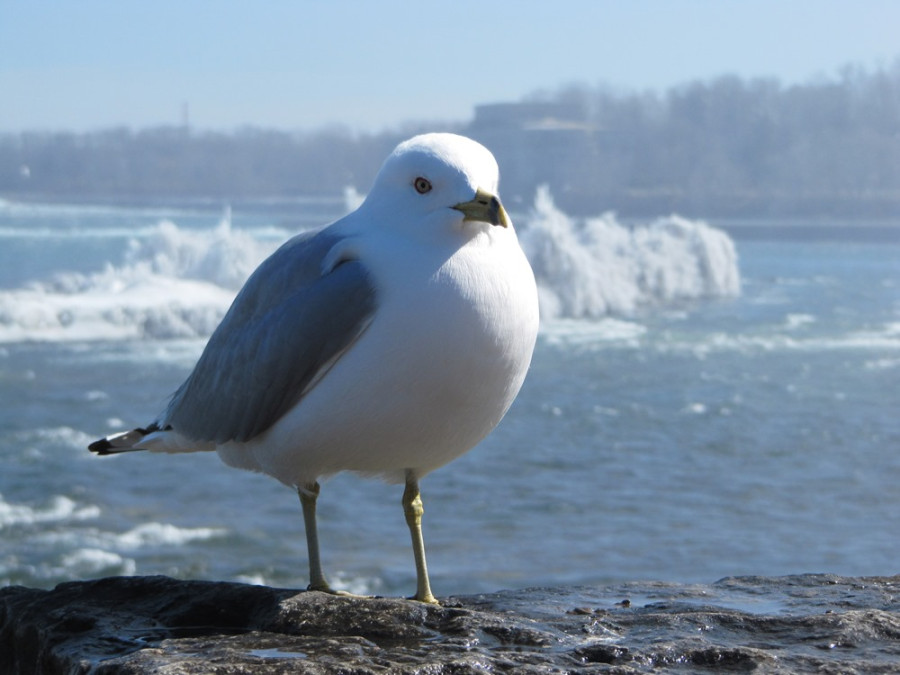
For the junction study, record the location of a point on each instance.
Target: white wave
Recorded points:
(52, 437)
(173, 283)
(75, 564)
(617, 333)
(570, 332)
(795, 321)
(57, 233)
(164, 534)
(598, 266)
(92, 561)
(353, 199)
(882, 364)
(885, 338)
(251, 579)
(145, 535)
(356, 585)
(60, 508)
(10, 209)
(222, 256)
(178, 283)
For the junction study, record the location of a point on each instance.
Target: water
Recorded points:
(735, 414)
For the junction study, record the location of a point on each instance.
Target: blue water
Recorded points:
(687, 441)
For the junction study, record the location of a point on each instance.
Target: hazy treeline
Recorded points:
(725, 147)
(733, 146)
(121, 164)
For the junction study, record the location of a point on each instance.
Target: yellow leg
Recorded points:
(413, 509)
(308, 496)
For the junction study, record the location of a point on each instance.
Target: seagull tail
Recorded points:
(123, 442)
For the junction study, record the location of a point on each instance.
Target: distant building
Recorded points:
(537, 143)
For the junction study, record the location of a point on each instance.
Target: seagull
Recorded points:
(386, 344)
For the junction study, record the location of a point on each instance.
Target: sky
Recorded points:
(367, 66)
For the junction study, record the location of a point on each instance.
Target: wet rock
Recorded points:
(135, 625)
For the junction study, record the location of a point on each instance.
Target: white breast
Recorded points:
(433, 374)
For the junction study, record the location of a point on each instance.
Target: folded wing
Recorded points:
(289, 324)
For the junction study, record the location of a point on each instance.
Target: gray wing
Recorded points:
(286, 327)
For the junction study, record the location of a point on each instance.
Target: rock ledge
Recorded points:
(809, 623)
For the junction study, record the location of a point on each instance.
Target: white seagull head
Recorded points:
(439, 179)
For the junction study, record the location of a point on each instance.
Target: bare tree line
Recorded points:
(729, 146)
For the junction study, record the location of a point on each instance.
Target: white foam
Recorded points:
(172, 284)
(57, 233)
(60, 508)
(251, 579)
(885, 337)
(14, 210)
(357, 585)
(795, 321)
(222, 256)
(882, 364)
(602, 331)
(881, 339)
(164, 534)
(178, 283)
(75, 564)
(91, 561)
(53, 437)
(598, 266)
(145, 535)
(352, 199)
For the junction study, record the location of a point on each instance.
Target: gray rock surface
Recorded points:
(809, 623)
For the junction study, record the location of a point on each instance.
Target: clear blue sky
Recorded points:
(87, 64)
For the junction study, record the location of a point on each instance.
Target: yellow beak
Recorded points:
(485, 208)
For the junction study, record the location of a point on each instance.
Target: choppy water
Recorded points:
(730, 418)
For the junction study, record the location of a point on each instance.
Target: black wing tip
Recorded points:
(102, 447)
(107, 446)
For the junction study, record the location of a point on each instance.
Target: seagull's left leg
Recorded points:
(308, 496)
(413, 509)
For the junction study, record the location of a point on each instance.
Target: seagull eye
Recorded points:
(422, 185)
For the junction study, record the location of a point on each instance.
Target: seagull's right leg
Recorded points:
(308, 495)
(317, 581)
